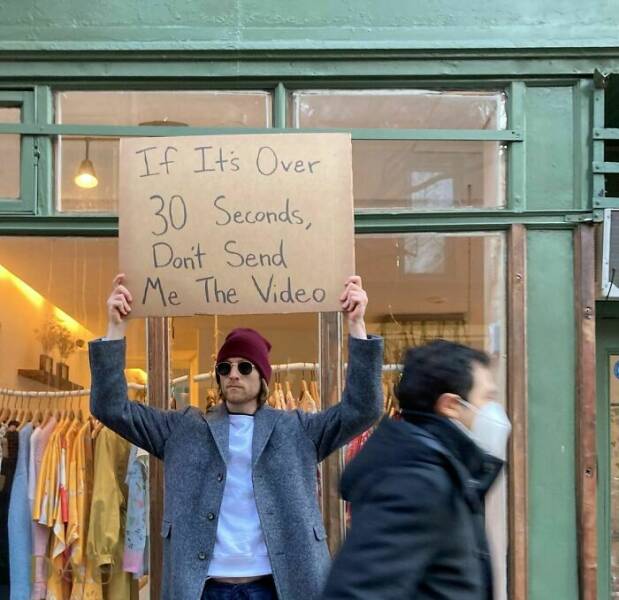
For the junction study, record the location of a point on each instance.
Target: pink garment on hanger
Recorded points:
(40, 533)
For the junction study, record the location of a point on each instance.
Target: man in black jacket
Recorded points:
(417, 487)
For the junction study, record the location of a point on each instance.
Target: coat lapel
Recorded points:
(265, 420)
(219, 424)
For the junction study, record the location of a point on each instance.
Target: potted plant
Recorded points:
(47, 336)
(66, 345)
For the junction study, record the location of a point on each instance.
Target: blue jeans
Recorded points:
(263, 589)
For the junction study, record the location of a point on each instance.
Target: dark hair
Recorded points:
(439, 367)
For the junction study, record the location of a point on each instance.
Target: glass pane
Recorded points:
(62, 281)
(180, 108)
(190, 108)
(415, 175)
(10, 165)
(53, 294)
(451, 286)
(399, 109)
(196, 340)
(614, 474)
(422, 175)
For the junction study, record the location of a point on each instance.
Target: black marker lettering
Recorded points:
(216, 203)
(146, 164)
(203, 150)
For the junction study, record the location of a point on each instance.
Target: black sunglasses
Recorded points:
(224, 368)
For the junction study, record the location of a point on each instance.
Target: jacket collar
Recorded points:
(481, 469)
(218, 420)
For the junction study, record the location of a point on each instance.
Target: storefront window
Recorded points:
(416, 175)
(178, 108)
(425, 286)
(10, 168)
(54, 294)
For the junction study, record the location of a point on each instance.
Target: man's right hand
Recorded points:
(118, 309)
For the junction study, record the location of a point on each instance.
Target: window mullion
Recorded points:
(516, 181)
(279, 106)
(44, 114)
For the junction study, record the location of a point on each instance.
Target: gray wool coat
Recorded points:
(286, 448)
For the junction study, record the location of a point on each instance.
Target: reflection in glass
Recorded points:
(399, 109)
(428, 175)
(415, 174)
(10, 170)
(177, 108)
(425, 286)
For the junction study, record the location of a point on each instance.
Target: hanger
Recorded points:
(50, 413)
(281, 398)
(314, 392)
(19, 407)
(14, 410)
(97, 428)
(5, 406)
(71, 412)
(26, 416)
(37, 416)
(79, 415)
(306, 402)
(291, 403)
(55, 408)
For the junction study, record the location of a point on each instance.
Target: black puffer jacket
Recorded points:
(417, 533)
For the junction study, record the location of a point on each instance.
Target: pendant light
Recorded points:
(86, 177)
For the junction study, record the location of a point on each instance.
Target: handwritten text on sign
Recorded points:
(236, 224)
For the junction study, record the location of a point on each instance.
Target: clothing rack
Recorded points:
(283, 368)
(49, 394)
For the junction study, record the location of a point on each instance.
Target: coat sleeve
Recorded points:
(361, 404)
(144, 426)
(395, 535)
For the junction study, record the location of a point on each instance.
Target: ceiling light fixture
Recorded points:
(86, 177)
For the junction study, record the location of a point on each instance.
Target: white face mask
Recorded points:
(490, 429)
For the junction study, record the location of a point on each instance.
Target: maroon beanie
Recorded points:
(250, 345)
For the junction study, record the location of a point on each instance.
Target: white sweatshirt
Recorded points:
(240, 549)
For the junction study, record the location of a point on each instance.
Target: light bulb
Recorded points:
(86, 177)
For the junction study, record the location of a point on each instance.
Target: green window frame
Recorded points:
(45, 131)
(39, 216)
(28, 152)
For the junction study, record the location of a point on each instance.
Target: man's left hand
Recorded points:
(354, 301)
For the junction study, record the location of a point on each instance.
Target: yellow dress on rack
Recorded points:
(106, 527)
(44, 497)
(85, 586)
(42, 507)
(59, 580)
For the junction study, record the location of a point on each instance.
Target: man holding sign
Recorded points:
(241, 515)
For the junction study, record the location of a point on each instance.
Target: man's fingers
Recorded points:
(118, 279)
(350, 289)
(123, 290)
(126, 306)
(354, 281)
(119, 303)
(353, 301)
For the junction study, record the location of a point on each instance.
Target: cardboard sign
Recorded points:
(236, 224)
